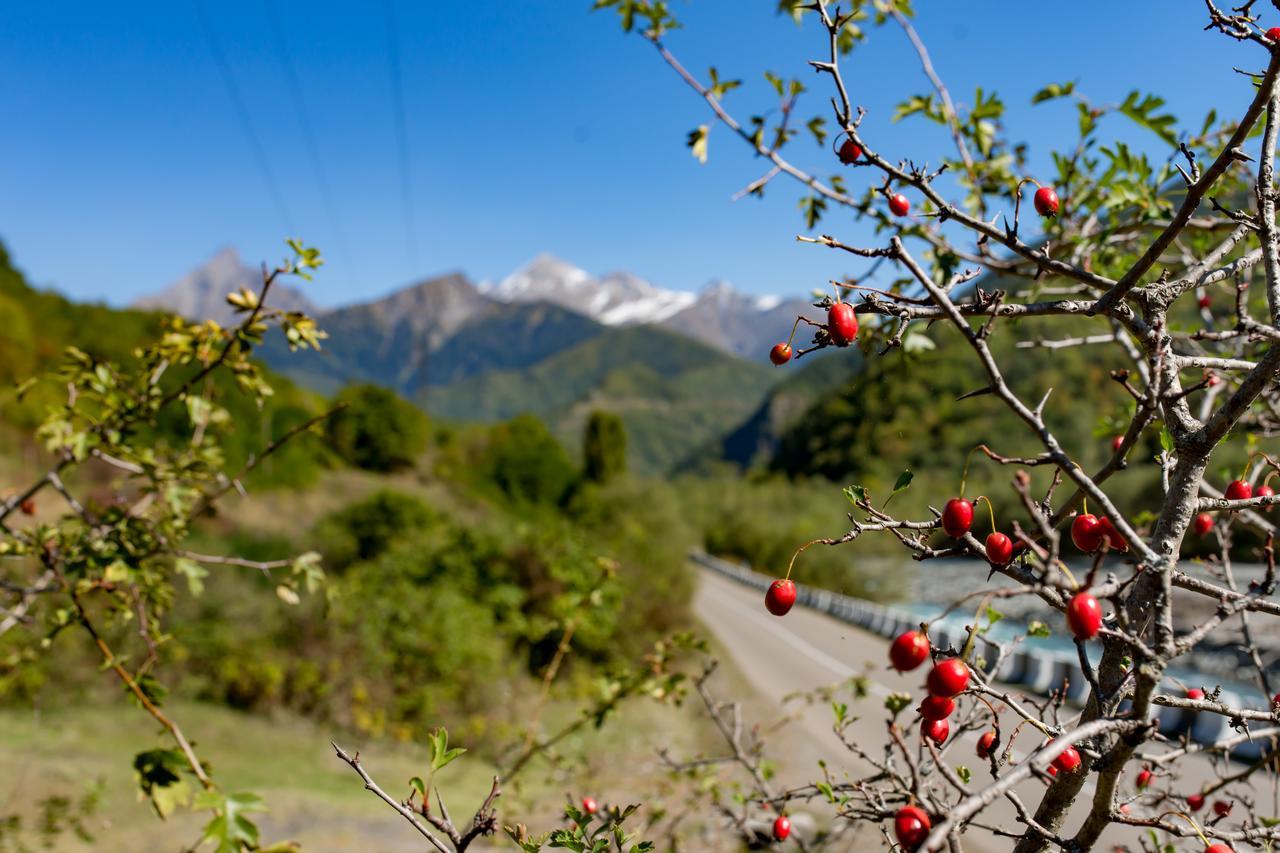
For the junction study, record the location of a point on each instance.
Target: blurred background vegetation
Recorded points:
(458, 552)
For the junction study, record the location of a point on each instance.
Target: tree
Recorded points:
(604, 447)
(1147, 261)
(525, 461)
(101, 568)
(377, 429)
(1128, 249)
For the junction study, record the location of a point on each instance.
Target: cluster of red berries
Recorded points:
(842, 325)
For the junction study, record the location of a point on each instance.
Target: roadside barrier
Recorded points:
(1037, 669)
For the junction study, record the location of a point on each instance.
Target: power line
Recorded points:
(246, 122)
(308, 133)
(402, 134)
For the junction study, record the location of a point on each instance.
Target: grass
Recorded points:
(314, 799)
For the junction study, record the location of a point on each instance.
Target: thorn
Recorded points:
(988, 390)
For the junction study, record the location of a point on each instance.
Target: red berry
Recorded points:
(1084, 616)
(1221, 808)
(1143, 780)
(908, 651)
(1203, 301)
(1239, 490)
(780, 354)
(1068, 761)
(1116, 443)
(28, 506)
(1195, 693)
(1213, 379)
(850, 152)
(935, 730)
(780, 597)
(1053, 771)
(936, 707)
(999, 549)
(781, 828)
(957, 516)
(842, 324)
(899, 204)
(1195, 802)
(1086, 532)
(948, 678)
(1223, 848)
(1114, 539)
(911, 826)
(1204, 523)
(1264, 491)
(986, 743)
(589, 805)
(1046, 201)
(1274, 34)
(1275, 700)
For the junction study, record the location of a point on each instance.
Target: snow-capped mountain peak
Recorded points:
(615, 299)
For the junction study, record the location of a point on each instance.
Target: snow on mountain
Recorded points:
(740, 323)
(427, 313)
(615, 299)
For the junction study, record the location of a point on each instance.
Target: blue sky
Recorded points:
(532, 126)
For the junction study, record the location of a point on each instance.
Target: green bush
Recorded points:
(378, 430)
(524, 460)
(367, 529)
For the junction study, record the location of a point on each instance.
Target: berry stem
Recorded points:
(798, 552)
(1188, 819)
(964, 475)
(1075, 584)
(794, 326)
(991, 510)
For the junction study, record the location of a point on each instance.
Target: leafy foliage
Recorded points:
(376, 429)
(604, 447)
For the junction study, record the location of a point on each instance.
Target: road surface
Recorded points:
(808, 649)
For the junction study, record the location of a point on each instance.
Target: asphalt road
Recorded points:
(805, 650)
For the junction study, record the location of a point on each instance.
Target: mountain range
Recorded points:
(682, 369)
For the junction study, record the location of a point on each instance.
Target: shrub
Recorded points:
(378, 430)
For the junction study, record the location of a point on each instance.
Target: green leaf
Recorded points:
(812, 207)
(441, 754)
(964, 774)
(856, 494)
(1053, 91)
(719, 87)
(158, 774)
(903, 481)
(775, 81)
(1143, 113)
(230, 830)
(1166, 439)
(418, 785)
(817, 126)
(697, 142)
(193, 572)
(918, 342)
(896, 702)
(1038, 629)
